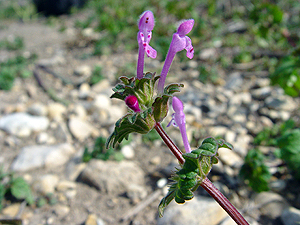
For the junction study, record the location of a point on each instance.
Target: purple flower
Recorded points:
(132, 102)
(146, 25)
(178, 120)
(179, 42)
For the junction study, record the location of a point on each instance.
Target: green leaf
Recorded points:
(2, 193)
(289, 145)
(138, 122)
(287, 75)
(196, 167)
(161, 104)
(160, 108)
(7, 78)
(143, 89)
(255, 171)
(87, 156)
(20, 189)
(101, 152)
(42, 201)
(172, 88)
(127, 81)
(96, 76)
(290, 142)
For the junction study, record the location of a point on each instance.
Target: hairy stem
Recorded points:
(174, 149)
(206, 183)
(223, 202)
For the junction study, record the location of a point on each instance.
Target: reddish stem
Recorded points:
(206, 184)
(174, 149)
(223, 202)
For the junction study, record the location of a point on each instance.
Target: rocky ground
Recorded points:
(43, 140)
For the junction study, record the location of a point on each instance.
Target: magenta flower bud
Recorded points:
(185, 27)
(146, 21)
(132, 102)
(177, 105)
(178, 120)
(146, 24)
(179, 42)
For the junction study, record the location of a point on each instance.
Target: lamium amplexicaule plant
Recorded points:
(149, 106)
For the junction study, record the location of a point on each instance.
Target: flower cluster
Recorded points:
(138, 92)
(179, 42)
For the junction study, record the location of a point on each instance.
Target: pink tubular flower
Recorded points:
(178, 120)
(146, 24)
(132, 102)
(179, 42)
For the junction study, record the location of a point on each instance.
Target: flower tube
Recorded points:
(179, 42)
(146, 24)
(178, 120)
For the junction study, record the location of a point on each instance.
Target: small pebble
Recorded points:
(161, 182)
(127, 151)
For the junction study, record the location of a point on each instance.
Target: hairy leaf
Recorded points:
(255, 171)
(196, 167)
(143, 89)
(137, 122)
(20, 189)
(161, 108)
(172, 88)
(289, 145)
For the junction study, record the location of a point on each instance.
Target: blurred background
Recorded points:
(59, 61)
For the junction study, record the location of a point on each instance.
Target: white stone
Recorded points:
(83, 70)
(56, 111)
(11, 210)
(127, 151)
(99, 174)
(290, 216)
(236, 26)
(49, 156)
(94, 220)
(102, 101)
(161, 182)
(285, 103)
(230, 136)
(71, 194)
(46, 184)
(79, 111)
(241, 145)
(278, 185)
(79, 128)
(229, 157)
(42, 138)
(115, 113)
(101, 85)
(261, 93)
(208, 53)
(200, 211)
(23, 124)
(65, 185)
(270, 204)
(156, 159)
(84, 91)
(38, 109)
(195, 111)
(193, 64)
(217, 130)
(136, 192)
(61, 210)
